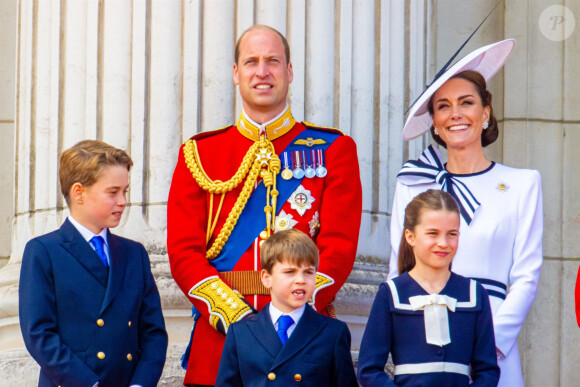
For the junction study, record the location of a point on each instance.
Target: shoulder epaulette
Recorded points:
(209, 133)
(325, 128)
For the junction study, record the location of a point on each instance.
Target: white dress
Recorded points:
(503, 244)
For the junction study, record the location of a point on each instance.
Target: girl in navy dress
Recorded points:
(436, 324)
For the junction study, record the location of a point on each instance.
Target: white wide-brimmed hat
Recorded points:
(485, 60)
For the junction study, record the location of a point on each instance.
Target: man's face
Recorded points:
(262, 74)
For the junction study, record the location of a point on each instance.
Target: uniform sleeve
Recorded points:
(525, 271)
(400, 201)
(229, 370)
(340, 217)
(343, 374)
(186, 237)
(38, 321)
(484, 368)
(376, 343)
(152, 334)
(577, 297)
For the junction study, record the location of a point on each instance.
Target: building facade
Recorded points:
(145, 75)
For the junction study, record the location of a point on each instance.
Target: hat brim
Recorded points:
(486, 60)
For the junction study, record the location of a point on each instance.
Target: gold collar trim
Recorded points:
(275, 128)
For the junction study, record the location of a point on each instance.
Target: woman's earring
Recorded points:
(485, 125)
(435, 131)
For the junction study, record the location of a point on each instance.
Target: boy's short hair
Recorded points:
(292, 246)
(85, 161)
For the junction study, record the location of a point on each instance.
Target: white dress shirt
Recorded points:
(296, 315)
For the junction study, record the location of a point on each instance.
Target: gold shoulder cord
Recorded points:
(260, 160)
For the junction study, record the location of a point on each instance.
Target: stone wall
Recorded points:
(145, 75)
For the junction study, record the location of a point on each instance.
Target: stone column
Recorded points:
(145, 75)
(542, 131)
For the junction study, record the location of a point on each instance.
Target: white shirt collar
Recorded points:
(86, 233)
(296, 314)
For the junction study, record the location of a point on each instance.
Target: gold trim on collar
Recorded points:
(274, 129)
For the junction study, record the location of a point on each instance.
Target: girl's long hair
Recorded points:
(432, 199)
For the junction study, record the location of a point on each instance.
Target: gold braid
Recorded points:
(260, 161)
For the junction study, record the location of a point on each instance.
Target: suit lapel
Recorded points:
(308, 328)
(79, 248)
(118, 256)
(263, 329)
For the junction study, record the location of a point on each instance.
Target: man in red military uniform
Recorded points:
(235, 186)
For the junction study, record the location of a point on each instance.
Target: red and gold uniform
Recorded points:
(216, 173)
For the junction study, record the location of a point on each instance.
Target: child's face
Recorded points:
(101, 205)
(290, 286)
(435, 239)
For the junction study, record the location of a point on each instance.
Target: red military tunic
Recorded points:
(333, 221)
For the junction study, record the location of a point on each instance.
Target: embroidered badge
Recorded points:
(314, 224)
(284, 221)
(502, 187)
(301, 200)
(309, 142)
(285, 124)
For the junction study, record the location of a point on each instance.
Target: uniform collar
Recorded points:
(273, 129)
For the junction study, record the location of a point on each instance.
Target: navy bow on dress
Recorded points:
(429, 168)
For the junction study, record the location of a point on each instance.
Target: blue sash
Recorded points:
(252, 220)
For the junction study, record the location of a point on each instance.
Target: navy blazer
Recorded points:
(316, 354)
(85, 324)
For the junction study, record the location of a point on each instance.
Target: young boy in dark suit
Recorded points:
(90, 311)
(287, 341)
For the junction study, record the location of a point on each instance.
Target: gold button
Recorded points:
(129, 357)
(101, 355)
(298, 377)
(129, 324)
(261, 243)
(264, 234)
(271, 376)
(100, 322)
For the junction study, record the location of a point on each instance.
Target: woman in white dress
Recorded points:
(501, 207)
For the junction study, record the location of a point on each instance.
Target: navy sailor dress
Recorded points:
(395, 327)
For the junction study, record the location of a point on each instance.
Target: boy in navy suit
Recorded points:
(287, 341)
(90, 312)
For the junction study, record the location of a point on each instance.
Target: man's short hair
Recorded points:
(262, 27)
(291, 246)
(85, 161)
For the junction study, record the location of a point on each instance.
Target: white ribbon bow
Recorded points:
(434, 308)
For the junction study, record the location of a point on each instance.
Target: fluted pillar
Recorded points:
(145, 75)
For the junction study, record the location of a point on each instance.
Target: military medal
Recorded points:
(320, 169)
(286, 173)
(314, 224)
(284, 221)
(309, 171)
(301, 200)
(298, 172)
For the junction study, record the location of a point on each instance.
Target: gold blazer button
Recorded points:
(100, 322)
(271, 376)
(101, 355)
(129, 357)
(298, 377)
